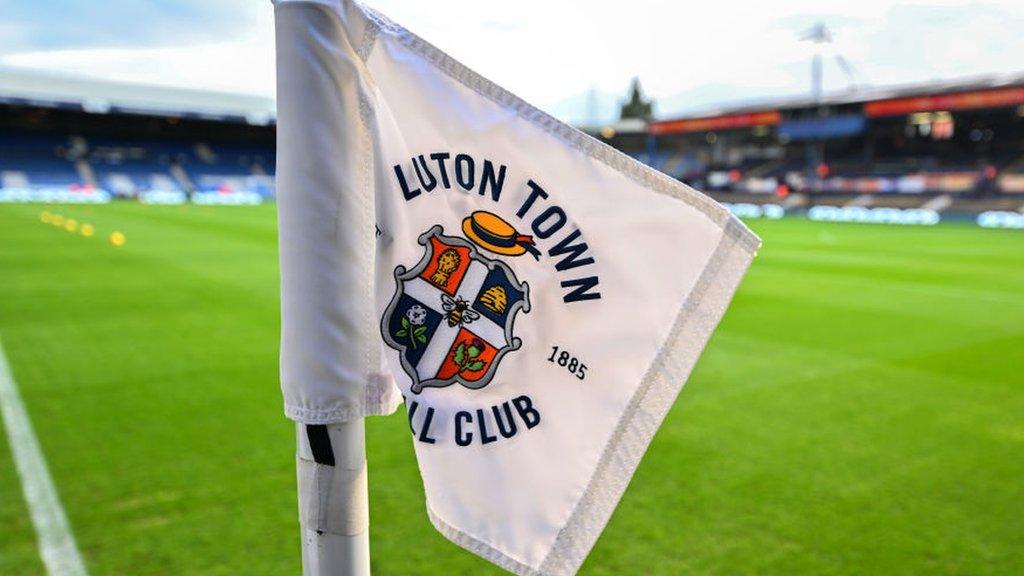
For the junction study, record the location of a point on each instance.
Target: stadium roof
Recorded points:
(31, 88)
(852, 96)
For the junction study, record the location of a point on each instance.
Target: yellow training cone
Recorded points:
(44, 217)
(87, 230)
(71, 225)
(117, 239)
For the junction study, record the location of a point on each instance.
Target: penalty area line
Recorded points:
(56, 543)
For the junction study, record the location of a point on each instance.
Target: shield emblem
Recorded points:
(452, 314)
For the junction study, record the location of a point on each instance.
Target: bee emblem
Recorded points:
(457, 311)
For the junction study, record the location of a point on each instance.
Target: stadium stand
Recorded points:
(127, 168)
(66, 133)
(953, 147)
(220, 168)
(36, 161)
(945, 147)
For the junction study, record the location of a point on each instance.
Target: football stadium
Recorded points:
(858, 410)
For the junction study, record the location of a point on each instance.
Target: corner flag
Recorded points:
(537, 297)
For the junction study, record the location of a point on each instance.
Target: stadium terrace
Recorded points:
(74, 140)
(952, 149)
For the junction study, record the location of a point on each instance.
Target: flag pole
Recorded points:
(334, 506)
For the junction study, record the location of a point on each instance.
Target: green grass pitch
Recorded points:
(859, 411)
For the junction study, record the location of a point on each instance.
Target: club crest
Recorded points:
(452, 314)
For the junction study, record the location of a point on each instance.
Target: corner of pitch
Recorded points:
(472, 425)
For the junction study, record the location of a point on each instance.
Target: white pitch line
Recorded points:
(56, 543)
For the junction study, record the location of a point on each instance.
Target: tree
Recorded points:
(637, 106)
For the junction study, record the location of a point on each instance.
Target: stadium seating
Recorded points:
(231, 169)
(35, 161)
(128, 168)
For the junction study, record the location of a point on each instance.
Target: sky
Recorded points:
(574, 58)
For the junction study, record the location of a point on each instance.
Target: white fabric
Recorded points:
(330, 351)
(359, 99)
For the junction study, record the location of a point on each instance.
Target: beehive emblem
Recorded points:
(494, 299)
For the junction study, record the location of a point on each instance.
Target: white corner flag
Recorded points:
(537, 297)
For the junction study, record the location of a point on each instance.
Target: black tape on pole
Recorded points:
(320, 444)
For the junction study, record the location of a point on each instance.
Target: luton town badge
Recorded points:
(452, 314)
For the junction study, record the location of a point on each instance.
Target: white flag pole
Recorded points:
(334, 503)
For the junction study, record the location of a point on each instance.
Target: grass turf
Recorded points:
(859, 411)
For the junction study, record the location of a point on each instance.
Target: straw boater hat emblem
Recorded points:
(492, 233)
